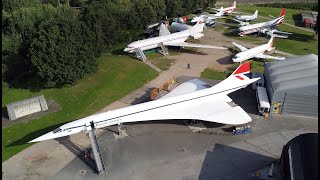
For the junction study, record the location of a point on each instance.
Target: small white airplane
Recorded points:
(247, 17)
(165, 38)
(275, 33)
(248, 29)
(256, 52)
(241, 23)
(230, 9)
(191, 100)
(208, 18)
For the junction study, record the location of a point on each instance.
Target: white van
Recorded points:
(262, 100)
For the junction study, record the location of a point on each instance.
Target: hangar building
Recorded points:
(292, 85)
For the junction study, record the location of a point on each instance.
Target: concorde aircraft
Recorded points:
(256, 52)
(252, 28)
(168, 39)
(191, 100)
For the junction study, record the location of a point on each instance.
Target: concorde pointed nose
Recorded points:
(126, 49)
(44, 137)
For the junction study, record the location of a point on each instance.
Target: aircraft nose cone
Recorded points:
(47, 136)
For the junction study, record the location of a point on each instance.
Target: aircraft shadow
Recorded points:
(301, 37)
(225, 60)
(225, 162)
(245, 98)
(5, 113)
(33, 135)
(190, 51)
(297, 20)
(83, 153)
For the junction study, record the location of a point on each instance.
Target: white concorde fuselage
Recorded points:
(163, 109)
(154, 42)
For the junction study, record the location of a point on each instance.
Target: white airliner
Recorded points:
(191, 100)
(275, 33)
(256, 52)
(241, 23)
(207, 18)
(228, 10)
(248, 18)
(174, 39)
(260, 26)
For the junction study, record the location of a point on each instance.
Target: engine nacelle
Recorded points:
(197, 36)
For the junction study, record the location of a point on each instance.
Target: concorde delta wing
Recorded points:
(186, 87)
(263, 56)
(217, 109)
(184, 44)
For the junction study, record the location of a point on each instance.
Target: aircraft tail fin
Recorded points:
(163, 30)
(281, 17)
(184, 18)
(234, 4)
(242, 69)
(220, 13)
(283, 12)
(270, 43)
(197, 28)
(255, 14)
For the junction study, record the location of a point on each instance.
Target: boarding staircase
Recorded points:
(96, 152)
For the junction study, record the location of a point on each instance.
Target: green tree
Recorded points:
(159, 6)
(174, 8)
(60, 51)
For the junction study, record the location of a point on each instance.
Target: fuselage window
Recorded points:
(57, 130)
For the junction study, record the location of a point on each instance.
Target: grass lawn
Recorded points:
(116, 77)
(299, 42)
(160, 61)
(213, 74)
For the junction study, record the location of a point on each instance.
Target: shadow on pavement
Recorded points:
(34, 135)
(84, 154)
(225, 60)
(225, 162)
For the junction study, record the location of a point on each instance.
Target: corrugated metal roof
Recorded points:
(293, 73)
(291, 60)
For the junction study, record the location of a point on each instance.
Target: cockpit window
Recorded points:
(57, 130)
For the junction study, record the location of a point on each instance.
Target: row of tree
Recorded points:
(55, 42)
(299, 6)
